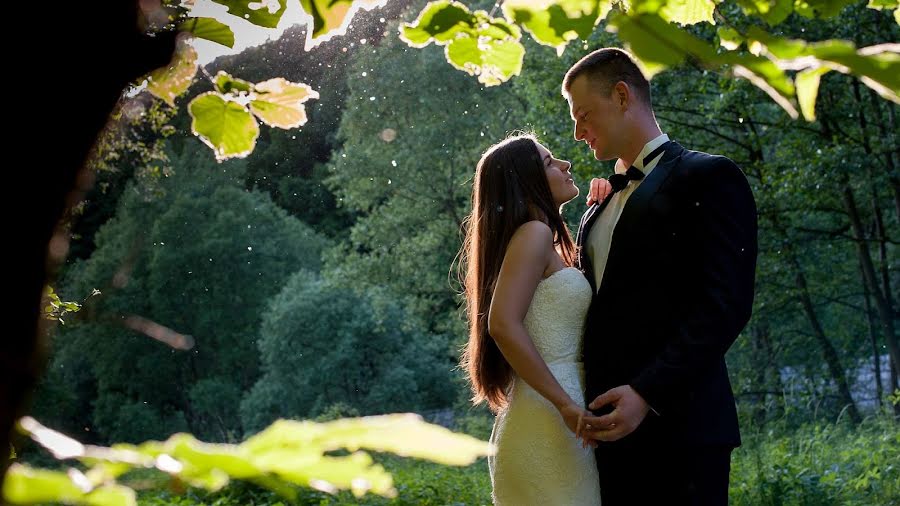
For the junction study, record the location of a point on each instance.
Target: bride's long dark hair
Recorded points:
(510, 189)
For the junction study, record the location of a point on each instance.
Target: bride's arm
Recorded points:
(527, 257)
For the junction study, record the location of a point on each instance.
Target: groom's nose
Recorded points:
(579, 133)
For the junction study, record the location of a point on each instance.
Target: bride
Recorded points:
(526, 305)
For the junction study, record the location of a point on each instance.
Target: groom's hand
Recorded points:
(600, 188)
(630, 410)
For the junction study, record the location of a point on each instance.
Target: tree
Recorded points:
(184, 279)
(404, 167)
(376, 361)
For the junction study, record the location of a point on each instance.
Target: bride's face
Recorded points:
(562, 186)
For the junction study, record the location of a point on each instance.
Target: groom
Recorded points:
(671, 255)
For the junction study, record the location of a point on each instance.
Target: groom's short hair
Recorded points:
(607, 66)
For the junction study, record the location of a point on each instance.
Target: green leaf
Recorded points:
(331, 17)
(729, 38)
(769, 71)
(475, 42)
(25, 485)
(807, 83)
(224, 125)
(822, 9)
(226, 83)
(780, 47)
(201, 457)
(772, 12)
(261, 13)
(494, 62)
(210, 29)
(765, 75)
(440, 20)
(279, 103)
(168, 83)
(882, 4)
(878, 67)
(402, 434)
(286, 454)
(556, 22)
(656, 42)
(897, 16)
(112, 495)
(356, 472)
(688, 12)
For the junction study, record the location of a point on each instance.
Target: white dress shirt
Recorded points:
(599, 237)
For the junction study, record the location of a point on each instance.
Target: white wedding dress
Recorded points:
(539, 460)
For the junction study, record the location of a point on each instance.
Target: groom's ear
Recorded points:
(621, 94)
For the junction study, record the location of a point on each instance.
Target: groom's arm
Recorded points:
(723, 246)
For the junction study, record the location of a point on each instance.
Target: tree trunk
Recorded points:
(885, 312)
(832, 358)
(876, 355)
(94, 83)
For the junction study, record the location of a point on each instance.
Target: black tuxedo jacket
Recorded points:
(676, 292)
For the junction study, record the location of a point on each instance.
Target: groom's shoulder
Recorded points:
(701, 165)
(694, 159)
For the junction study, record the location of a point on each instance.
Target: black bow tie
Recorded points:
(620, 181)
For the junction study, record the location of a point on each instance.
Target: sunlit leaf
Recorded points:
(729, 38)
(780, 47)
(822, 9)
(772, 12)
(440, 21)
(356, 472)
(226, 83)
(112, 495)
(402, 434)
(279, 103)
(876, 66)
(168, 83)
(265, 13)
(332, 17)
(767, 70)
(494, 62)
(765, 85)
(658, 42)
(209, 29)
(205, 456)
(807, 83)
(25, 485)
(556, 22)
(688, 12)
(476, 43)
(224, 125)
(882, 4)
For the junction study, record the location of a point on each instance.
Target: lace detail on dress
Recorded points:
(555, 319)
(538, 460)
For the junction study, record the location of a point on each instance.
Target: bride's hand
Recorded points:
(599, 189)
(574, 415)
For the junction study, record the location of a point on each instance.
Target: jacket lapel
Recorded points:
(636, 207)
(587, 220)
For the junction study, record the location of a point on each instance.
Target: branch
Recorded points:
(709, 131)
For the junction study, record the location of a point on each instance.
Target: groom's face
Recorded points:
(597, 119)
